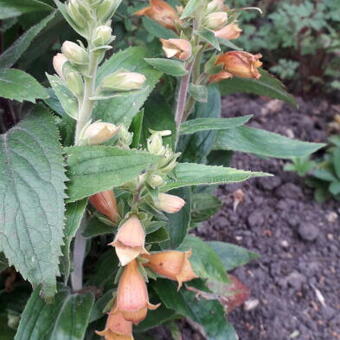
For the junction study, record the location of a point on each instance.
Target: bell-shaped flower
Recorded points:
(229, 32)
(99, 132)
(130, 240)
(59, 61)
(105, 202)
(161, 12)
(178, 48)
(132, 294)
(216, 20)
(241, 64)
(170, 204)
(172, 264)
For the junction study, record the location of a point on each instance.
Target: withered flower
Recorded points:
(241, 64)
(178, 48)
(132, 295)
(161, 12)
(130, 240)
(229, 32)
(105, 202)
(172, 264)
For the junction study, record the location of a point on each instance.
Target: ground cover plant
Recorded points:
(107, 172)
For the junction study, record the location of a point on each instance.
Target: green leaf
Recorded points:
(191, 7)
(122, 109)
(14, 8)
(204, 205)
(178, 223)
(94, 169)
(3, 262)
(64, 319)
(157, 30)
(32, 198)
(204, 124)
(188, 174)
(336, 162)
(15, 51)
(19, 85)
(174, 68)
(231, 255)
(94, 227)
(267, 86)
(209, 37)
(73, 216)
(199, 92)
(205, 262)
(334, 188)
(264, 143)
(67, 100)
(158, 236)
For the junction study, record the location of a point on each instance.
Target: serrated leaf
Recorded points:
(94, 169)
(209, 37)
(264, 143)
(188, 174)
(32, 198)
(15, 8)
(66, 318)
(19, 85)
(122, 109)
(67, 100)
(231, 255)
(204, 124)
(15, 51)
(267, 86)
(174, 68)
(157, 30)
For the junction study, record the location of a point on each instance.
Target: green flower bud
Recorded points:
(74, 53)
(74, 82)
(106, 9)
(155, 181)
(216, 6)
(79, 13)
(216, 20)
(123, 81)
(102, 36)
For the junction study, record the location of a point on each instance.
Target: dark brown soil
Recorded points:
(296, 282)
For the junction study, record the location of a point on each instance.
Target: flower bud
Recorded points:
(59, 61)
(172, 264)
(216, 6)
(74, 53)
(130, 240)
(132, 295)
(102, 35)
(229, 32)
(216, 20)
(240, 64)
(155, 181)
(161, 12)
(105, 202)
(106, 9)
(99, 132)
(123, 81)
(179, 48)
(169, 203)
(74, 82)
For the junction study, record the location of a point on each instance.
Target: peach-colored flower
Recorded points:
(241, 64)
(169, 203)
(229, 32)
(117, 328)
(130, 240)
(178, 48)
(215, 78)
(59, 61)
(105, 203)
(172, 264)
(161, 12)
(132, 295)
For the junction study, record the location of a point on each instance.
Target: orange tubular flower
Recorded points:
(172, 264)
(241, 64)
(117, 328)
(132, 295)
(161, 12)
(105, 202)
(130, 240)
(178, 48)
(229, 32)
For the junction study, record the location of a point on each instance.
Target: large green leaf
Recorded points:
(94, 169)
(231, 255)
(208, 313)
(20, 86)
(204, 124)
(32, 198)
(14, 8)
(65, 319)
(15, 51)
(188, 174)
(122, 109)
(174, 68)
(264, 143)
(267, 86)
(205, 261)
